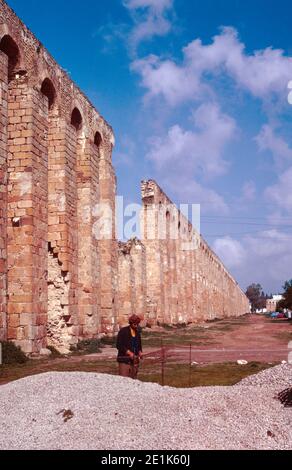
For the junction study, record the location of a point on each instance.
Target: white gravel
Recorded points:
(112, 413)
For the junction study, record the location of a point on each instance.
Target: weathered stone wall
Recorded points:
(108, 244)
(55, 155)
(182, 279)
(3, 193)
(132, 287)
(186, 281)
(63, 276)
(27, 214)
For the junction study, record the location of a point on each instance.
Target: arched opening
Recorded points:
(76, 119)
(97, 139)
(10, 48)
(48, 90)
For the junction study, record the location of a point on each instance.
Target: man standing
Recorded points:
(129, 346)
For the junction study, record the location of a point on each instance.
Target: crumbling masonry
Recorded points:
(60, 281)
(172, 276)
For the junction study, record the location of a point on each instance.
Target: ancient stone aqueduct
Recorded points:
(59, 281)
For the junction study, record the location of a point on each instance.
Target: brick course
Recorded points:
(168, 282)
(52, 141)
(63, 277)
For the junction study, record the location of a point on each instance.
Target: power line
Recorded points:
(260, 236)
(247, 223)
(244, 217)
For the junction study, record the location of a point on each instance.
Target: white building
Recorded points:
(272, 303)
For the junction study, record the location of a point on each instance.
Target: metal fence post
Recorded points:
(162, 363)
(190, 368)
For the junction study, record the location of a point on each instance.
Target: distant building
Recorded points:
(261, 310)
(272, 303)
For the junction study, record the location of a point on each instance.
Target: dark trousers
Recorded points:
(129, 370)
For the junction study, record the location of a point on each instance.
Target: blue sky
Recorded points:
(196, 92)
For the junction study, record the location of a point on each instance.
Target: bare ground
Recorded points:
(216, 346)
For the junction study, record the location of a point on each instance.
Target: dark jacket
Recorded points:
(124, 344)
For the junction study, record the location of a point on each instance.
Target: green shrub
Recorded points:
(108, 341)
(12, 354)
(87, 346)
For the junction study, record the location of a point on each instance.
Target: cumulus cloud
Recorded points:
(268, 254)
(158, 6)
(183, 157)
(165, 78)
(270, 257)
(281, 192)
(267, 140)
(151, 18)
(230, 251)
(198, 151)
(187, 190)
(248, 191)
(263, 73)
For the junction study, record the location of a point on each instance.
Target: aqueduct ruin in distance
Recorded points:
(59, 281)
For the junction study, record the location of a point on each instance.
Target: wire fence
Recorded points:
(194, 357)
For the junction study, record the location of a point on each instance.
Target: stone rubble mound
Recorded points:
(79, 410)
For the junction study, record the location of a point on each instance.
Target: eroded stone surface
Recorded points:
(63, 276)
(172, 275)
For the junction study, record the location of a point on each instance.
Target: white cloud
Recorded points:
(265, 258)
(268, 140)
(269, 243)
(187, 190)
(157, 5)
(183, 157)
(151, 18)
(199, 151)
(281, 192)
(111, 34)
(165, 78)
(263, 73)
(270, 257)
(248, 191)
(230, 251)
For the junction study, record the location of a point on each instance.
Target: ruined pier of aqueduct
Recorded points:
(59, 282)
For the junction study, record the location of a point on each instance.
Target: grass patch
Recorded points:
(195, 336)
(225, 374)
(149, 334)
(177, 340)
(12, 354)
(16, 372)
(86, 346)
(176, 375)
(108, 341)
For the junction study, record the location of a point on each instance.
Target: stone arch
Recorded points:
(76, 119)
(48, 89)
(9, 47)
(97, 139)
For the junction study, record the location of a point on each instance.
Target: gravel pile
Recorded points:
(279, 376)
(94, 411)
